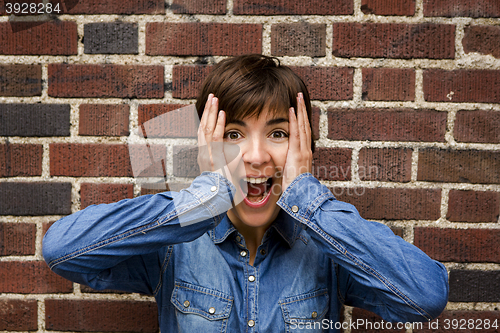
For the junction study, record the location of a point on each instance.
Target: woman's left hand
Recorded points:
(299, 156)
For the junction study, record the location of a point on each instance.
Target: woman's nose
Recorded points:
(255, 152)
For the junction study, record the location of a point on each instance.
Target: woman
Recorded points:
(267, 247)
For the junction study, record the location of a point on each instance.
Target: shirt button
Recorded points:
(314, 314)
(251, 278)
(251, 323)
(263, 252)
(211, 310)
(186, 304)
(238, 238)
(295, 209)
(213, 188)
(243, 253)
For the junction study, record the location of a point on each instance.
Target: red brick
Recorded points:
(20, 160)
(100, 315)
(462, 86)
(474, 286)
(20, 80)
(388, 7)
(327, 83)
(162, 187)
(385, 164)
(54, 38)
(181, 123)
(203, 39)
(459, 166)
(294, 7)
(185, 162)
(390, 40)
(87, 289)
(18, 315)
(388, 84)
(459, 245)
(482, 39)
(31, 277)
(473, 206)
(392, 203)
(187, 80)
(386, 125)
(458, 321)
(104, 119)
(17, 239)
(315, 114)
(477, 126)
(46, 226)
(89, 160)
(472, 8)
(332, 163)
(369, 322)
(298, 39)
(199, 7)
(114, 7)
(93, 194)
(106, 80)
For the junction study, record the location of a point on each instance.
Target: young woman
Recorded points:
(267, 247)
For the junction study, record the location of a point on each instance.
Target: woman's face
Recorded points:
(256, 172)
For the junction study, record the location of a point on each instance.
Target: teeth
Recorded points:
(256, 180)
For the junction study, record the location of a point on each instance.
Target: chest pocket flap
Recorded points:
(208, 303)
(309, 307)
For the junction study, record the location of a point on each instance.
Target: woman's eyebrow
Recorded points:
(276, 121)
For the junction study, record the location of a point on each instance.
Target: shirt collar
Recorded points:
(284, 225)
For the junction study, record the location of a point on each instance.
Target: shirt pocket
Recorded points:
(305, 312)
(200, 309)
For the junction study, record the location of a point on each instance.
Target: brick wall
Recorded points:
(406, 97)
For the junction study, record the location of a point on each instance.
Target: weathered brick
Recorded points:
(18, 315)
(20, 80)
(101, 315)
(199, 7)
(294, 39)
(53, 38)
(332, 163)
(113, 7)
(458, 321)
(104, 119)
(185, 162)
(294, 7)
(482, 39)
(34, 119)
(474, 286)
(388, 84)
(390, 40)
(114, 37)
(169, 120)
(89, 160)
(106, 80)
(93, 194)
(459, 245)
(36, 198)
(473, 206)
(477, 126)
(202, 39)
(31, 277)
(472, 8)
(459, 166)
(368, 322)
(87, 289)
(154, 188)
(315, 114)
(386, 125)
(327, 83)
(385, 164)
(462, 86)
(17, 239)
(20, 160)
(388, 7)
(187, 80)
(392, 203)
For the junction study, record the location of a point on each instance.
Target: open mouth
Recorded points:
(258, 190)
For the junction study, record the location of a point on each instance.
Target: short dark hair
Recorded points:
(247, 84)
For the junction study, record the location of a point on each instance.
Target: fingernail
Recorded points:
(214, 100)
(210, 96)
(300, 95)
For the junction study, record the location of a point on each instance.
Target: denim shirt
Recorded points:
(180, 247)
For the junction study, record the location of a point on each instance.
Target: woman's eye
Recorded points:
(232, 135)
(279, 135)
